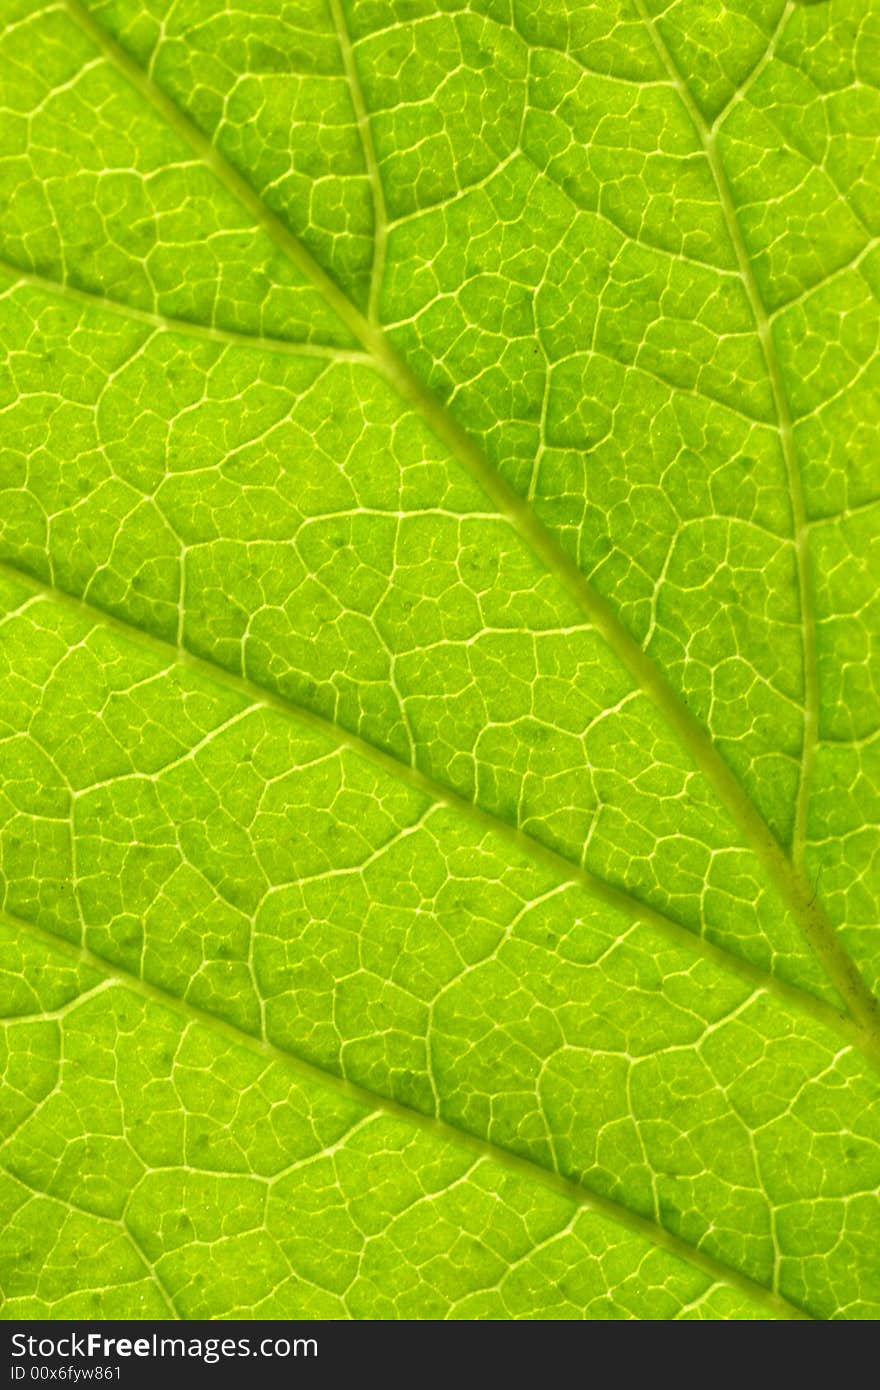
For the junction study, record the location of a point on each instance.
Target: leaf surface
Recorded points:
(438, 551)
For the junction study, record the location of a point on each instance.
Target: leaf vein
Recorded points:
(616, 897)
(693, 736)
(484, 1150)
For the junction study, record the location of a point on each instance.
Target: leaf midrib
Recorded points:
(694, 738)
(576, 1192)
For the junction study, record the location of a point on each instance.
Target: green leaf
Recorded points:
(438, 825)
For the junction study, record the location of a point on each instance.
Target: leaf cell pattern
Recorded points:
(439, 721)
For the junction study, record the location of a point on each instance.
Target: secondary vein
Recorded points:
(708, 137)
(362, 117)
(162, 323)
(788, 878)
(442, 1130)
(439, 794)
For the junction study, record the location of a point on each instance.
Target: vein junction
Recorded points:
(495, 781)
(792, 886)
